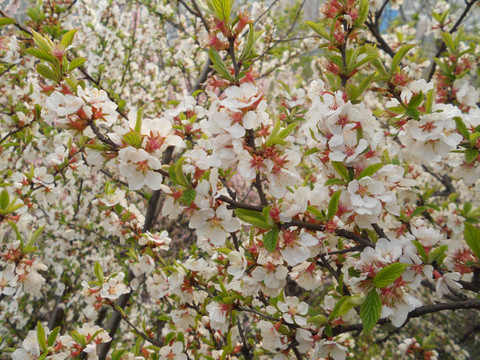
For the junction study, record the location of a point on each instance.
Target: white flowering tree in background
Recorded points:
(215, 180)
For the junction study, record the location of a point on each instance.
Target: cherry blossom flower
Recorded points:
(293, 311)
(138, 167)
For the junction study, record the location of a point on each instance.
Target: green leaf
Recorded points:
(4, 199)
(418, 210)
(448, 40)
(133, 138)
(6, 21)
(46, 72)
(75, 63)
(270, 240)
(97, 269)
(413, 113)
(35, 235)
(317, 320)
(248, 47)
(362, 13)
(341, 169)
(399, 56)
(472, 238)
(370, 170)
(67, 39)
(416, 100)
(222, 9)
(370, 310)
(335, 182)
(471, 155)
(53, 336)
(188, 196)
(42, 55)
(43, 43)
(253, 217)
(138, 122)
(41, 337)
(79, 338)
(389, 274)
(179, 175)
(461, 127)
(319, 29)
(437, 255)
(219, 66)
(344, 305)
(421, 250)
(333, 204)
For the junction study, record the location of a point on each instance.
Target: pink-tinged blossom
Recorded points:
(295, 246)
(8, 280)
(272, 276)
(326, 348)
(293, 311)
(173, 352)
(446, 283)
(138, 167)
(214, 224)
(114, 287)
(307, 276)
(237, 263)
(272, 340)
(367, 195)
(217, 313)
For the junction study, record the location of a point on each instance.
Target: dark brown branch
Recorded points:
(382, 44)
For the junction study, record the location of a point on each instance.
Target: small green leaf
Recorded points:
(6, 21)
(416, 100)
(179, 174)
(35, 235)
(219, 66)
(248, 47)
(370, 170)
(97, 269)
(461, 127)
(399, 56)
(362, 13)
(344, 305)
(341, 169)
(319, 29)
(133, 138)
(75, 63)
(389, 274)
(370, 310)
(46, 72)
(471, 155)
(421, 250)
(318, 320)
(41, 337)
(67, 39)
(335, 182)
(418, 210)
(270, 240)
(4, 199)
(188, 196)
(53, 336)
(43, 43)
(222, 8)
(472, 238)
(448, 40)
(42, 55)
(253, 217)
(333, 204)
